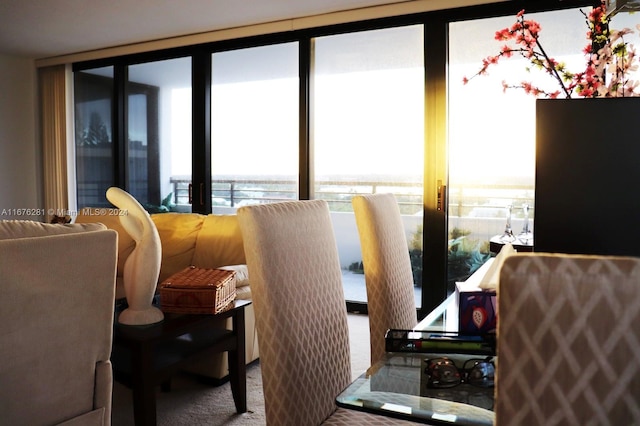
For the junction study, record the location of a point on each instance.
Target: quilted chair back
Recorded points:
(568, 341)
(387, 267)
(299, 303)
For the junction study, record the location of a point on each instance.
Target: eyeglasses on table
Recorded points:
(442, 372)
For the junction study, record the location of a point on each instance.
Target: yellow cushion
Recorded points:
(219, 242)
(206, 241)
(178, 233)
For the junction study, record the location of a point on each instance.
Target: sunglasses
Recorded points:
(443, 373)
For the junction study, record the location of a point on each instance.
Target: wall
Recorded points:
(20, 168)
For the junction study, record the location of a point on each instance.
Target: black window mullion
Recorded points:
(434, 259)
(305, 179)
(120, 127)
(201, 131)
(153, 146)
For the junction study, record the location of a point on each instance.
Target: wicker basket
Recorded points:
(198, 291)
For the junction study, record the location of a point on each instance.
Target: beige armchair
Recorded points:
(568, 340)
(56, 311)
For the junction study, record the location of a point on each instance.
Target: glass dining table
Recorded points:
(398, 385)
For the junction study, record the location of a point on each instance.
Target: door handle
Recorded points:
(201, 193)
(441, 203)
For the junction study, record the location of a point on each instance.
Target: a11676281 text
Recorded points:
(87, 211)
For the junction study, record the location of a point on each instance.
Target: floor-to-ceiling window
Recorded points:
(327, 113)
(367, 134)
(492, 133)
(159, 133)
(254, 126)
(142, 144)
(94, 135)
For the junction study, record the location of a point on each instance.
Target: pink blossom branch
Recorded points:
(606, 53)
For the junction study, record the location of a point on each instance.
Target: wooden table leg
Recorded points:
(237, 364)
(143, 388)
(142, 345)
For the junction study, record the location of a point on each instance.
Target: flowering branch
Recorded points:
(607, 53)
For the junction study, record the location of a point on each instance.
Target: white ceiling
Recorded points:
(46, 28)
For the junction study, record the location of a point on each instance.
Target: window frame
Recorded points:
(435, 167)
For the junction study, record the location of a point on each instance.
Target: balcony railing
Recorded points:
(464, 201)
(236, 192)
(468, 201)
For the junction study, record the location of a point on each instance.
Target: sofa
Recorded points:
(190, 239)
(57, 320)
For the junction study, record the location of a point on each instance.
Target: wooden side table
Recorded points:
(144, 357)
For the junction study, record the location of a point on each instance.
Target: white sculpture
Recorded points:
(142, 267)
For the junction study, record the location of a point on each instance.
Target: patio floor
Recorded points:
(355, 289)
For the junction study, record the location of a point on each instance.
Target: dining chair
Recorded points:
(387, 268)
(568, 340)
(301, 316)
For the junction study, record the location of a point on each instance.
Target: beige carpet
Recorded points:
(193, 403)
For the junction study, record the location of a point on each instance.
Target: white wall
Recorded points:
(20, 167)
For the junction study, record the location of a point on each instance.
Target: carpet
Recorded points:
(193, 403)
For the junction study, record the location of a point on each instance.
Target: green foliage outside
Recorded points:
(356, 268)
(465, 255)
(415, 256)
(95, 134)
(165, 206)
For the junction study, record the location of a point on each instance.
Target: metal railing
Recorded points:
(465, 200)
(235, 192)
(469, 200)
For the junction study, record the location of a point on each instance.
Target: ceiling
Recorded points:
(46, 28)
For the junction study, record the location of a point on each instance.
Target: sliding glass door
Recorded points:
(159, 134)
(254, 127)
(96, 155)
(326, 113)
(142, 144)
(367, 134)
(492, 134)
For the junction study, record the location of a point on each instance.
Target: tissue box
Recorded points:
(477, 310)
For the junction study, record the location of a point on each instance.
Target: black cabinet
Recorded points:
(587, 176)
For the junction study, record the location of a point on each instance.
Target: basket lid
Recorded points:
(193, 277)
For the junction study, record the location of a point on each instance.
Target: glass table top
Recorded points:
(397, 387)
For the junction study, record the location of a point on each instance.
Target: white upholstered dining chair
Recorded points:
(387, 267)
(568, 340)
(301, 315)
